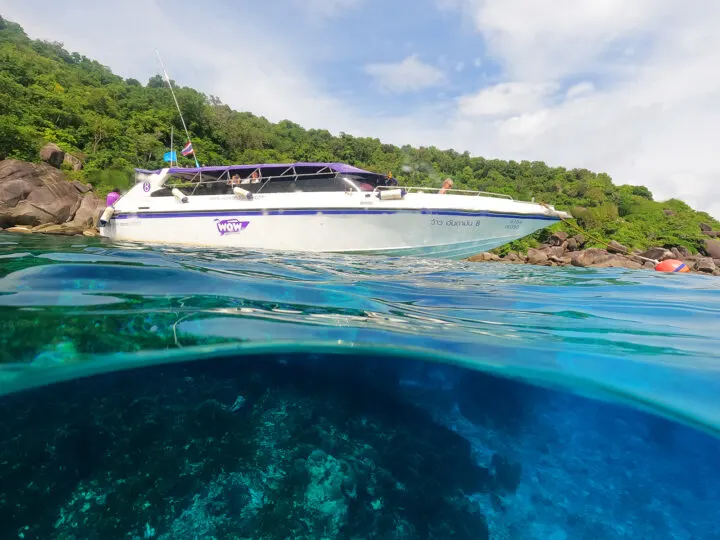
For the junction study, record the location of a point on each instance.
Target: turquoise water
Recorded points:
(168, 359)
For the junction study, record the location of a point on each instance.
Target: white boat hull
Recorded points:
(427, 225)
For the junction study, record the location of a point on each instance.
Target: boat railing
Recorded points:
(410, 189)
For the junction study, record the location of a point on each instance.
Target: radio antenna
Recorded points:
(167, 78)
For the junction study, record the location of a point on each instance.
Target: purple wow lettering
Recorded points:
(226, 226)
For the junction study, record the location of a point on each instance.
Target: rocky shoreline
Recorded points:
(38, 197)
(565, 250)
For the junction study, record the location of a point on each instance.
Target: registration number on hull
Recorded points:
(513, 224)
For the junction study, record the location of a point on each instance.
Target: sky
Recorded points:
(627, 87)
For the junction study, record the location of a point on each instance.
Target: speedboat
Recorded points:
(316, 207)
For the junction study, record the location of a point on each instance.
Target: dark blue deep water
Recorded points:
(155, 392)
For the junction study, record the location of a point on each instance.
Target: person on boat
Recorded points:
(254, 177)
(447, 184)
(234, 180)
(390, 181)
(112, 197)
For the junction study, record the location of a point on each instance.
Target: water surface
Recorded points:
(177, 393)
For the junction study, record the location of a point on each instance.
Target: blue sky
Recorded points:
(628, 87)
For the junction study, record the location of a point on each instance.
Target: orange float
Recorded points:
(672, 265)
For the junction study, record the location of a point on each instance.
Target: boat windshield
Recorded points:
(271, 179)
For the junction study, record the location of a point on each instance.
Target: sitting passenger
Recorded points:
(255, 177)
(235, 180)
(447, 184)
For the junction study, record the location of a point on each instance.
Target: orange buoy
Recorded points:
(671, 265)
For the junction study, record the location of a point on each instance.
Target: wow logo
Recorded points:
(227, 226)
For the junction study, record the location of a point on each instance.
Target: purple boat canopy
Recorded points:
(305, 167)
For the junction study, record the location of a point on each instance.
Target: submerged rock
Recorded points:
(310, 454)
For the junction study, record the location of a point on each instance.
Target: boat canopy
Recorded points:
(265, 169)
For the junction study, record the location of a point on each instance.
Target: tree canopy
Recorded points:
(113, 125)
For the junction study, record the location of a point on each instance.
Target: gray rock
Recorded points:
(712, 248)
(35, 194)
(537, 256)
(705, 264)
(658, 254)
(52, 154)
(73, 162)
(617, 247)
(558, 238)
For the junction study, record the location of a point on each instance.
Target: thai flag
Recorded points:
(187, 150)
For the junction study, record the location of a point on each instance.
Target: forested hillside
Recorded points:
(113, 125)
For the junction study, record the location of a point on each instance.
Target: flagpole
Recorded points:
(171, 144)
(167, 78)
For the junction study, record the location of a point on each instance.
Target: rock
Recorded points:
(555, 251)
(19, 229)
(557, 238)
(712, 248)
(82, 188)
(513, 257)
(658, 254)
(34, 194)
(571, 244)
(52, 154)
(680, 252)
(537, 256)
(619, 261)
(713, 234)
(704, 227)
(599, 258)
(617, 247)
(580, 240)
(668, 212)
(73, 162)
(705, 264)
(648, 265)
(484, 257)
(92, 233)
(88, 212)
(589, 257)
(54, 228)
(560, 261)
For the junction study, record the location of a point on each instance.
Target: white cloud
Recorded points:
(407, 76)
(539, 39)
(505, 98)
(654, 119)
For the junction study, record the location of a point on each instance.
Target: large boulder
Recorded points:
(52, 154)
(73, 162)
(558, 238)
(705, 264)
(680, 252)
(554, 251)
(36, 194)
(536, 256)
(658, 254)
(89, 211)
(617, 247)
(712, 248)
